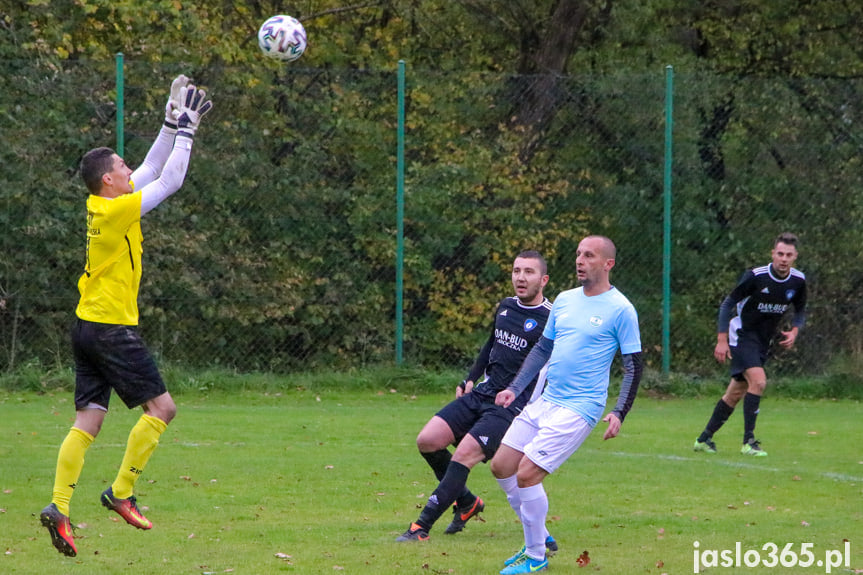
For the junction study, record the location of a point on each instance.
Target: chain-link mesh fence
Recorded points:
(279, 251)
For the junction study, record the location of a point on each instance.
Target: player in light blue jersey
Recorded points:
(586, 327)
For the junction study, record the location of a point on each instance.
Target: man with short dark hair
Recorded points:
(761, 299)
(472, 421)
(109, 352)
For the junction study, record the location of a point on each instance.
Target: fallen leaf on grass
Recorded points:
(338, 568)
(804, 523)
(795, 478)
(660, 564)
(583, 559)
(284, 556)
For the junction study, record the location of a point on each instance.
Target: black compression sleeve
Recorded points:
(534, 361)
(632, 368)
(481, 361)
(726, 309)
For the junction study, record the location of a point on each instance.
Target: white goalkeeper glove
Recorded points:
(193, 106)
(173, 105)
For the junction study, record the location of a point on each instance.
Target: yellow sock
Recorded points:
(70, 462)
(143, 440)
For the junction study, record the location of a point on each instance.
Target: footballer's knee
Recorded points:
(756, 387)
(90, 420)
(468, 452)
(162, 407)
(495, 469)
(505, 462)
(427, 442)
(436, 435)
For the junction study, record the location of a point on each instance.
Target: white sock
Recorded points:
(534, 508)
(510, 487)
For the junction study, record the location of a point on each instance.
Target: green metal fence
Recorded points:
(285, 250)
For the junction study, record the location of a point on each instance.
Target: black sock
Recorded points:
(750, 413)
(443, 497)
(721, 413)
(438, 461)
(465, 498)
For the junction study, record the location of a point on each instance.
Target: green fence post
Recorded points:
(666, 225)
(400, 214)
(120, 126)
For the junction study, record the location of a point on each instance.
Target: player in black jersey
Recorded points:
(472, 422)
(762, 298)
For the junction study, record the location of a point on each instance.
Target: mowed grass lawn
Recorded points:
(305, 482)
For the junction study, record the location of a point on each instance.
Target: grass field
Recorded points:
(331, 478)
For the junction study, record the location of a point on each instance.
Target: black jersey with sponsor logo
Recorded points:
(762, 300)
(516, 328)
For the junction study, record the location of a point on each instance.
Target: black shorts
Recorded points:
(113, 356)
(747, 353)
(479, 417)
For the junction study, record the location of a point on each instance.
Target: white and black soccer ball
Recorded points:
(282, 37)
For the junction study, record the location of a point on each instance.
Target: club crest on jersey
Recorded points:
(596, 321)
(789, 294)
(530, 324)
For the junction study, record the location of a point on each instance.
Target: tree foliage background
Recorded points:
(530, 123)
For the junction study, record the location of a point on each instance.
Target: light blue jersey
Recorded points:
(587, 332)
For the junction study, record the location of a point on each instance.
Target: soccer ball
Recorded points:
(282, 37)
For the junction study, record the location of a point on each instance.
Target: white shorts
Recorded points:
(547, 433)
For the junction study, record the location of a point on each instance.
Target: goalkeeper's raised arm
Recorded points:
(190, 107)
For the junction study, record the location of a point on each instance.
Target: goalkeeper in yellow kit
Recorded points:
(109, 352)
